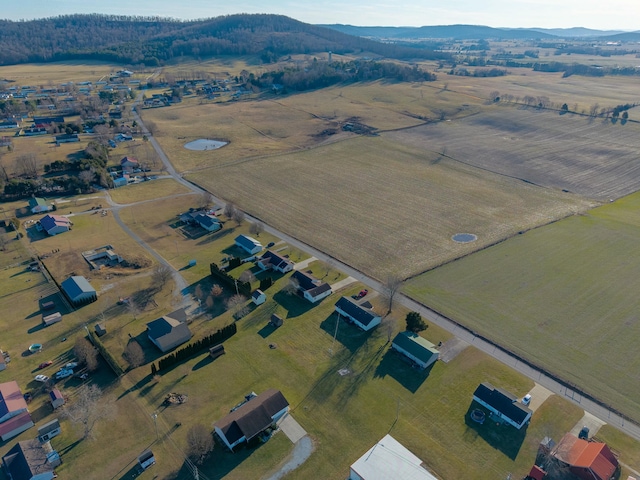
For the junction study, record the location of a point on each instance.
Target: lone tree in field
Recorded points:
(133, 354)
(199, 443)
(206, 200)
(256, 228)
(229, 210)
(86, 353)
(415, 323)
(161, 275)
(391, 286)
(247, 276)
(236, 305)
(238, 217)
(89, 407)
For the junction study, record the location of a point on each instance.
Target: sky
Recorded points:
(597, 14)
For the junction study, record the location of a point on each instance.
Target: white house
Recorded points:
(146, 460)
(312, 289)
(503, 404)
(55, 224)
(248, 244)
(258, 297)
(364, 318)
(252, 418)
(209, 222)
(274, 261)
(39, 205)
(389, 459)
(49, 430)
(419, 350)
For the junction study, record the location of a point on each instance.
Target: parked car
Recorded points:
(41, 378)
(71, 365)
(64, 373)
(584, 433)
(270, 244)
(526, 400)
(44, 364)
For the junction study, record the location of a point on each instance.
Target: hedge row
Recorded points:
(111, 361)
(194, 348)
(244, 288)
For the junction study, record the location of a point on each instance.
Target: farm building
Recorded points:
(419, 350)
(311, 288)
(252, 418)
(215, 352)
(274, 261)
(39, 205)
(67, 138)
(49, 430)
(587, 460)
(47, 120)
(129, 164)
(389, 459)
(48, 320)
(364, 318)
(15, 426)
(12, 402)
(79, 291)
(169, 331)
(248, 244)
(258, 297)
(121, 181)
(55, 224)
(276, 320)
(146, 460)
(56, 398)
(502, 404)
(28, 460)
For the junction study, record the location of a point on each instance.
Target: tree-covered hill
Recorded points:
(153, 41)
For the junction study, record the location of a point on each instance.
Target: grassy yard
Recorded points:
(150, 190)
(555, 295)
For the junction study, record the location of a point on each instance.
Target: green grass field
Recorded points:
(150, 190)
(562, 296)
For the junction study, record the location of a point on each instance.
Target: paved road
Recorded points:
(496, 352)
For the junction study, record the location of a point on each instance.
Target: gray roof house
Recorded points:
(169, 331)
(55, 224)
(49, 430)
(38, 205)
(419, 350)
(28, 460)
(312, 289)
(209, 222)
(503, 404)
(78, 290)
(364, 318)
(274, 261)
(248, 244)
(252, 418)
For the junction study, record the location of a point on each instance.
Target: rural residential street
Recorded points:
(595, 409)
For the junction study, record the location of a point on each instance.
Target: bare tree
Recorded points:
(133, 354)
(27, 165)
(229, 210)
(291, 287)
(391, 285)
(236, 305)
(151, 126)
(238, 217)
(89, 407)
(86, 353)
(87, 176)
(161, 275)
(247, 276)
(206, 200)
(256, 228)
(199, 443)
(102, 133)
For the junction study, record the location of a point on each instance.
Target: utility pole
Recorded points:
(155, 422)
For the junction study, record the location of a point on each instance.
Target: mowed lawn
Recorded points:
(385, 206)
(563, 296)
(590, 157)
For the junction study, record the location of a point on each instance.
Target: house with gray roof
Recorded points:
(209, 222)
(55, 224)
(311, 288)
(365, 318)
(28, 460)
(252, 418)
(49, 430)
(78, 290)
(502, 404)
(419, 350)
(274, 261)
(169, 331)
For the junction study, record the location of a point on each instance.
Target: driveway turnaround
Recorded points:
(292, 429)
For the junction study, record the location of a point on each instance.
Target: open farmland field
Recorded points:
(591, 157)
(563, 296)
(36, 74)
(296, 122)
(149, 190)
(385, 206)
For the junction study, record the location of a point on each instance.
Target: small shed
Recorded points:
(276, 320)
(57, 400)
(48, 306)
(48, 320)
(258, 297)
(146, 460)
(49, 430)
(215, 352)
(100, 330)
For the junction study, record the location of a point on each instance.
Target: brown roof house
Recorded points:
(252, 418)
(169, 331)
(586, 460)
(128, 164)
(28, 460)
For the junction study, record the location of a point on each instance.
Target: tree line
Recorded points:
(153, 41)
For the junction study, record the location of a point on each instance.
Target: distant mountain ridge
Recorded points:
(480, 32)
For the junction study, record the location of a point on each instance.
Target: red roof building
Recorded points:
(536, 473)
(586, 460)
(12, 402)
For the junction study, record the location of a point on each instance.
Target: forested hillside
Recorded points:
(153, 41)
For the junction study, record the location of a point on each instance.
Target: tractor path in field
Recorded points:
(543, 378)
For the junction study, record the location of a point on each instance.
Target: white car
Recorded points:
(526, 400)
(41, 378)
(70, 365)
(64, 373)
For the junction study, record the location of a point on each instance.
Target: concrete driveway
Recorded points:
(539, 395)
